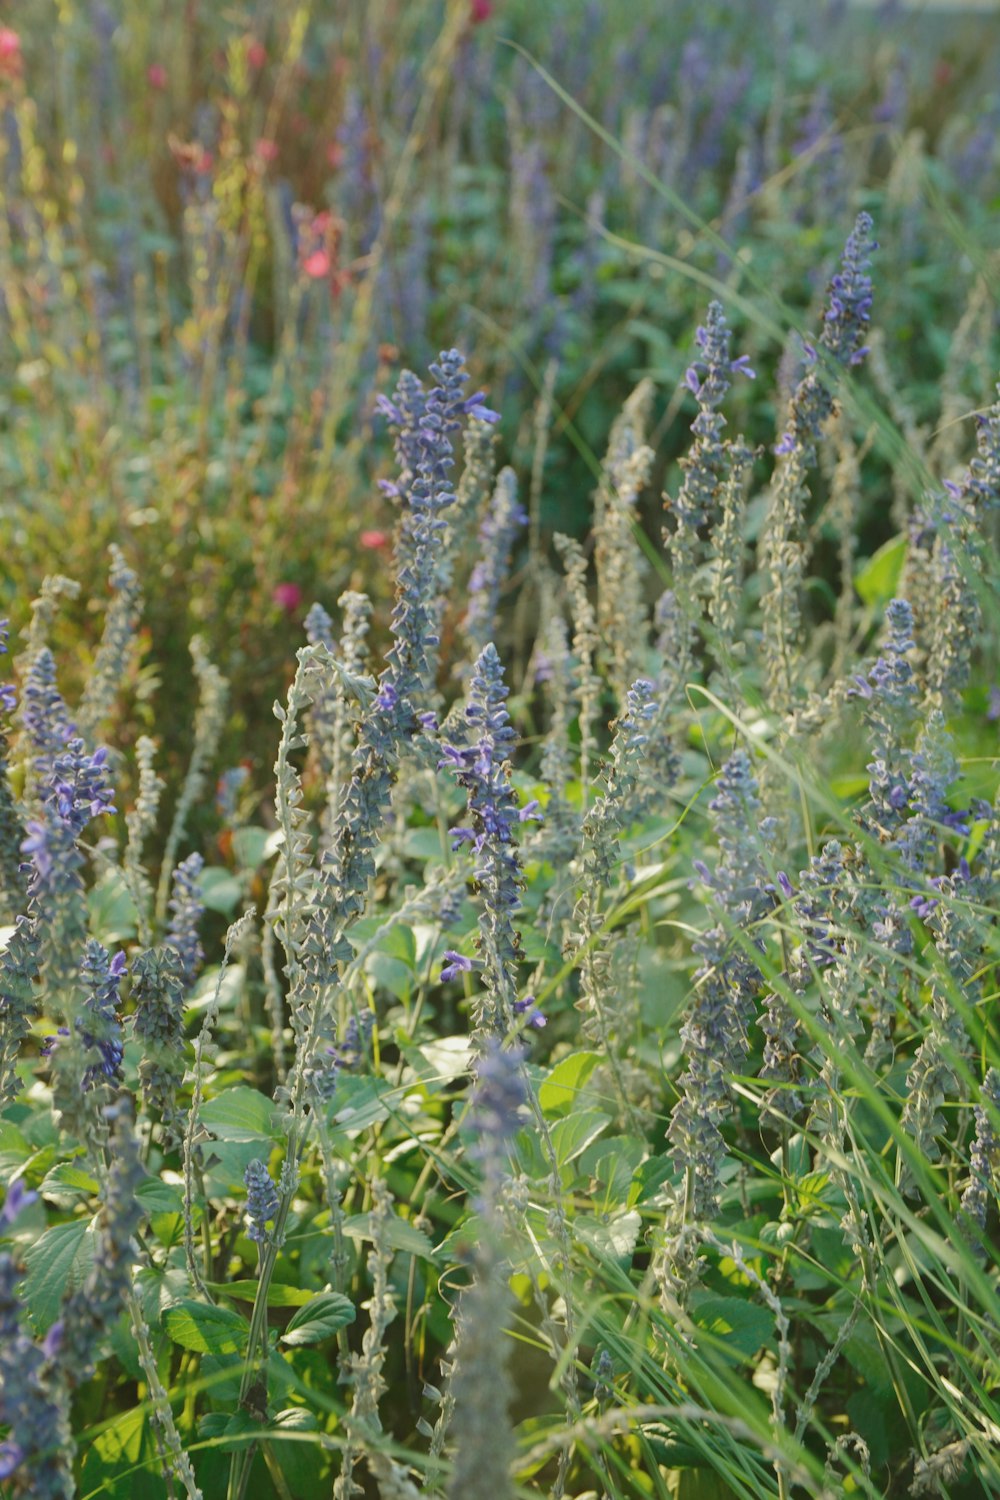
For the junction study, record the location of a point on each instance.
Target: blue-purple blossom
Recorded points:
(849, 299)
(98, 1024)
(481, 765)
(187, 909)
(262, 1202)
(456, 963)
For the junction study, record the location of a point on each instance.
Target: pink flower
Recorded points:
(480, 11)
(374, 539)
(317, 265)
(266, 150)
(287, 596)
(156, 76)
(256, 56)
(10, 44)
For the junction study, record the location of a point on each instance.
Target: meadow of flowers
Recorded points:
(499, 814)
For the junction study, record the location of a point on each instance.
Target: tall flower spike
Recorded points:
(782, 548)
(186, 911)
(481, 767)
(722, 1008)
(105, 676)
(984, 1159)
(89, 1313)
(158, 1023)
(480, 1382)
(503, 520)
(13, 886)
(849, 299)
(262, 1202)
(707, 470)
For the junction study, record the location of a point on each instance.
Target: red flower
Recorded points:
(317, 265)
(266, 150)
(156, 76)
(480, 11)
(256, 56)
(287, 596)
(10, 51)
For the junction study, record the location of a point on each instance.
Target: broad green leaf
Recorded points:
(113, 916)
(575, 1133)
(397, 1232)
(391, 973)
(742, 1327)
(122, 1461)
(57, 1263)
(278, 1294)
(559, 1094)
(250, 847)
(206, 1329)
(69, 1178)
(615, 1239)
(238, 1114)
(396, 941)
(220, 890)
(877, 580)
(320, 1319)
(160, 1197)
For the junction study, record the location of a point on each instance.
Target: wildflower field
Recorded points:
(499, 816)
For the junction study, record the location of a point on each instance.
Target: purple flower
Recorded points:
(457, 964)
(18, 1197)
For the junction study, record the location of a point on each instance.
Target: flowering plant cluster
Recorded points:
(573, 1069)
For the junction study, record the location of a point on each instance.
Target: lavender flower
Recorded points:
(89, 1312)
(481, 767)
(262, 1202)
(99, 1025)
(480, 1382)
(497, 535)
(105, 676)
(849, 299)
(35, 1461)
(187, 909)
(783, 552)
(18, 973)
(984, 1159)
(715, 1032)
(158, 1023)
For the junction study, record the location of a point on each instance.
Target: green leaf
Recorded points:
(68, 1178)
(160, 1197)
(877, 581)
(397, 1233)
(238, 1114)
(278, 1293)
(250, 847)
(615, 1239)
(113, 916)
(320, 1319)
(558, 1095)
(205, 1329)
(397, 941)
(742, 1327)
(575, 1133)
(115, 1457)
(57, 1263)
(360, 1102)
(220, 890)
